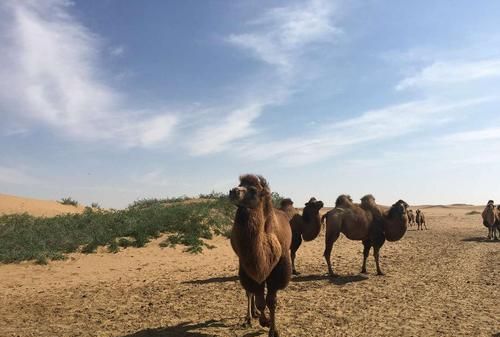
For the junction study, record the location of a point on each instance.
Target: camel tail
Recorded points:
(323, 219)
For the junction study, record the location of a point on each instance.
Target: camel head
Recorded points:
(490, 206)
(343, 200)
(286, 203)
(417, 211)
(368, 200)
(251, 191)
(314, 204)
(399, 209)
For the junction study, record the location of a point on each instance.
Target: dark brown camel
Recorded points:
(420, 220)
(366, 223)
(304, 227)
(261, 239)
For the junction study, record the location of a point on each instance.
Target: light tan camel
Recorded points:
(261, 239)
(490, 219)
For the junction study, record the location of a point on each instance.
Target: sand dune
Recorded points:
(11, 204)
(440, 282)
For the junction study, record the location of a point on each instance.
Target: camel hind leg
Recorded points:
(378, 242)
(330, 238)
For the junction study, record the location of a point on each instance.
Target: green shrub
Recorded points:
(68, 201)
(25, 237)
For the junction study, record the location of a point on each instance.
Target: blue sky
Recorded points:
(111, 101)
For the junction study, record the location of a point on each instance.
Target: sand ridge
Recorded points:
(440, 282)
(10, 204)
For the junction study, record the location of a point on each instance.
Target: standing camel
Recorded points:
(490, 218)
(411, 218)
(304, 227)
(420, 220)
(261, 239)
(366, 223)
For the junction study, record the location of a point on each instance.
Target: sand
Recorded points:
(11, 204)
(439, 282)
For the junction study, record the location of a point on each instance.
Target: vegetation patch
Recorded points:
(25, 237)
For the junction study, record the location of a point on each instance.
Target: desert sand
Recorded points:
(439, 282)
(10, 204)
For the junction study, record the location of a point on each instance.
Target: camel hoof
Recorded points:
(264, 322)
(247, 323)
(274, 333)
(379, 273)
(333, 275)
(294, 272)
(255, 314)
(363, 271)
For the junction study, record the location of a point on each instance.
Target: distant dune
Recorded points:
(11, 204)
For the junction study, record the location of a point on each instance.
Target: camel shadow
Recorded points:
(179, 330)
(480, 239)
(219, 279)
(339, 280)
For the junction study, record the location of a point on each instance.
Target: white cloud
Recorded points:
(447, 72)
(281, 32)
(281, 37)
(375, 125)
(117, 51)
(482, 135)
(50, 74)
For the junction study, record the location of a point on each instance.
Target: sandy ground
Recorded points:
(440, 282)
(11, 204)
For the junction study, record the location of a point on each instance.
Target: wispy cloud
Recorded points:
(16, 176)
(481, 135)
(334, 138)
(51, 62)
(446, 72)
(279, 38)
(281, 33)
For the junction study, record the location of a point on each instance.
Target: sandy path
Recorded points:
(441, 282)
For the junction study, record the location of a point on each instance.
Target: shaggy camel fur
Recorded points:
(366, 223)
(420, 220)
(304, 227)
(261, 239)
(411, 218)
(490, 219)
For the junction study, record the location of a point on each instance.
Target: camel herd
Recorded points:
(266, 239)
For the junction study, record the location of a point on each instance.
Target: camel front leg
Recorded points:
(271, 301)
(250, 304)
(367, 245)
(376, 254)
(260, 301)
(296, 242)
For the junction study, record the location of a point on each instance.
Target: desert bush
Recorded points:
(25, 237)
(472, 213)
(68, 201)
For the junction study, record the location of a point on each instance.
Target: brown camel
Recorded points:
(304, 227)
(411, 218)
(490, 219)
(420, 220)
(261, 239)
(366, 223)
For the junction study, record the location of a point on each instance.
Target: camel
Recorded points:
(261, 238)
(411, 218)
(420, 220)
(304, 227)
(366, 223)
(490, 219)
